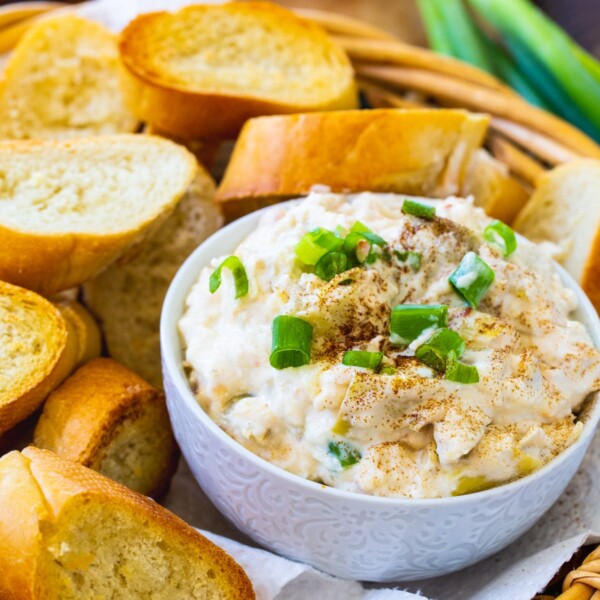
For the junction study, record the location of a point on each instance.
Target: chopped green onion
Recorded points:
(330, 265)
(292, 339)
(435, 351)
(387, 370)
(472, 278)
(345, 452)
(418, 209)
(357, 246)
(361, 358)
(460, 372)
(409, 321)
(240, 279)
(317, 243)
(412, 259)
(375, 239)
(501, 236)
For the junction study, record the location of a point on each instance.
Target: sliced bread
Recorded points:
(421, 151)
(493, 188)
(127, 298)
(565, 210)
(108, 419)
(70, 208)
(40, 345)
(68, 533)
(62, 81)
(204, 70)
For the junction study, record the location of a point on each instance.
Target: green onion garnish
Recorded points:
(412, 259)
(460, 372)
(387, 370)
(361, 358)
(435, 351)
(317, 243)
(418, 209)
(472, 279)
(409, 321)
(240, 279)
(501, 236)
(347, 454)
(330, 265)
(357, 246)
(292, 338)
(375, 239)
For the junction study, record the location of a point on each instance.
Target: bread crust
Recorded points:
(36, 486)
(418, 151)
(81, 418)
(50, 263)
(590, 280)
(70, 342)
(188, 113)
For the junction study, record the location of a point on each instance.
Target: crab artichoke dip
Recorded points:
(383, 345)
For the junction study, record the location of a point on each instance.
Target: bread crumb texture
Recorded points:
(62, 82)
(251, 49)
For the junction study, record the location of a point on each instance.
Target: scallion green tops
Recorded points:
(409, 321)
(332, 253)
(472, 279)
(240, 279)
(501, 236)
(292, 339)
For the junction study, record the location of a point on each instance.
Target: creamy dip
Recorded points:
(403, 429)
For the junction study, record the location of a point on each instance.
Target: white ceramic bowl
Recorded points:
(346, 534)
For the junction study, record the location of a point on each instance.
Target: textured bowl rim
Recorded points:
(172, 359)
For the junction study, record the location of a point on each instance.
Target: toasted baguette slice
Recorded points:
(204, 70)
(565, 210)
(423, 152)
(494, 189)
(68, 533)
(62, 81)
(127, 298)
(70, 208)
(108, 419)
(41, 345)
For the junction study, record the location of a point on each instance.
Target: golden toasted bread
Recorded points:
(565, 210)
(107, 418)
(68, 533)
(204, 70)
(70, 208)
(41, 344)
(62, 81)
(421, 151)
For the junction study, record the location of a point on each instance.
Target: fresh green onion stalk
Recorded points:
(520, 21)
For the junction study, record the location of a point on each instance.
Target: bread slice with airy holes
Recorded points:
(40, 344)
(204, 70)
(565, 210)
(493, 188)
(62, 81)
(70, 208)
(68, 533)
(423, 152)
(107, 418)
(127, 298)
